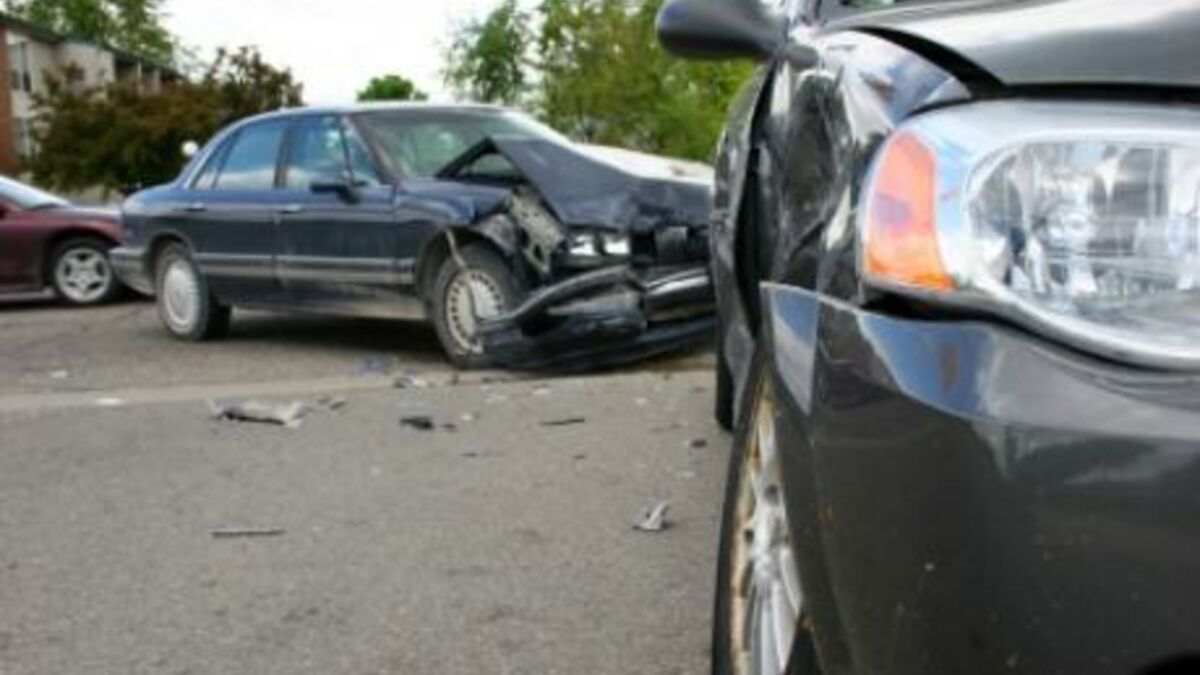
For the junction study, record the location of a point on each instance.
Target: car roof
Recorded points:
(387, 106)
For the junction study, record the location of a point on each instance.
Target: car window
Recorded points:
(26, 196)
(207, 178)
(362, 164)
(316, 153)
(423, 144)
(250, 163)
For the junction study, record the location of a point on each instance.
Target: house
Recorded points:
(32, 53)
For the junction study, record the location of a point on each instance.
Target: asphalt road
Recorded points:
(500, 545)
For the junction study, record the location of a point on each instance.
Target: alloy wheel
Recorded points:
(83, 275)
(767, 603)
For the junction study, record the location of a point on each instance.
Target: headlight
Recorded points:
(599, 244)
(1080, 220)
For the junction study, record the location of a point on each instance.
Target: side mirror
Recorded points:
(721, 29)
(342, 186)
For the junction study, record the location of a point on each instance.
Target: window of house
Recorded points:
(250, 163)
(20, 76)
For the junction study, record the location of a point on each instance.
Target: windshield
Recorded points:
(26, 197)
(422, 143)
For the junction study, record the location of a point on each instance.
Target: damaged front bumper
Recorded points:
(604, 317)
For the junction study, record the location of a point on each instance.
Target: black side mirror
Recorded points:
(721, 29)
(342, 186)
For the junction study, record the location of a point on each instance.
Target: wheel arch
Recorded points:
(438, 249)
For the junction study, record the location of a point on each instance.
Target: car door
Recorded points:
(21, 242)
(229, 215)
(339, 233)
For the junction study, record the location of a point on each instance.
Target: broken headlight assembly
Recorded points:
(595, 246)
(1080, 221)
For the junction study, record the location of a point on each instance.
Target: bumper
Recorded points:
(603, 318)
(130, 267)
(982, 502)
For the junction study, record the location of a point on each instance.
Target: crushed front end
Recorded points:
(615, 249)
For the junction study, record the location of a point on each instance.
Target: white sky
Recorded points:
(333, 46)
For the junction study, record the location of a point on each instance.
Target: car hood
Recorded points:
(73, 212)
(1057, 42)
(592, 186)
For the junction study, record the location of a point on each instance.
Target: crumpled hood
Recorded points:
(1058, 42)
(590, 186)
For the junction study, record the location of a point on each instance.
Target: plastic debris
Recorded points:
(655, 519)
(566, 422)
(410, 382)
(240, 533)
(698, 443)
(290, 415)
(418, 422)
(332, 404)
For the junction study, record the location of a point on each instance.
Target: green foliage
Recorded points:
(132, 25)
(595, 71)
(391, 88)
(121, 137)
(488, 61)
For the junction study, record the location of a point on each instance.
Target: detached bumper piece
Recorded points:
(606, 317)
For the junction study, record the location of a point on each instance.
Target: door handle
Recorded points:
(195, 207)
(291, 209)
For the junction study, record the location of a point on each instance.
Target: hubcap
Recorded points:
(767, 602)
(180, 296)
(471, 295)
(83, 275)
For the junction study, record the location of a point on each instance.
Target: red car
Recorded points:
(46, 242)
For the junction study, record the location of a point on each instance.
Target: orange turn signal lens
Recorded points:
(900, 235)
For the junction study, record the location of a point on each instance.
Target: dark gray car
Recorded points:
(956, 255)
(522, 247)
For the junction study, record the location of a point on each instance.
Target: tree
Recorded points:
(595, 71)
(132, 25)
(488, 60)
(121, 137)
(391, 88)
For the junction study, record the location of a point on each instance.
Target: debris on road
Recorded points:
(541, 390)
(240, 533)
(418, 422)
(332, 404)
(59, 374)
(290, 415)
(655, 519)
(410, 382)
(567, 422)
(698, 444)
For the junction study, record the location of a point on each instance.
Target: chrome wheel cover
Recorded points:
(180, 296)
(83, 275)
(471, 295)
(766, 600)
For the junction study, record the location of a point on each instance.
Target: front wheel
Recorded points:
(472, 285)
(185, 305)
(81, 273)
(759, 627)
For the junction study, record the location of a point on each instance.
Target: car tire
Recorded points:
(187, 308)
(476, 282)
(723, 404)
(732, 611)
(81, 273)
